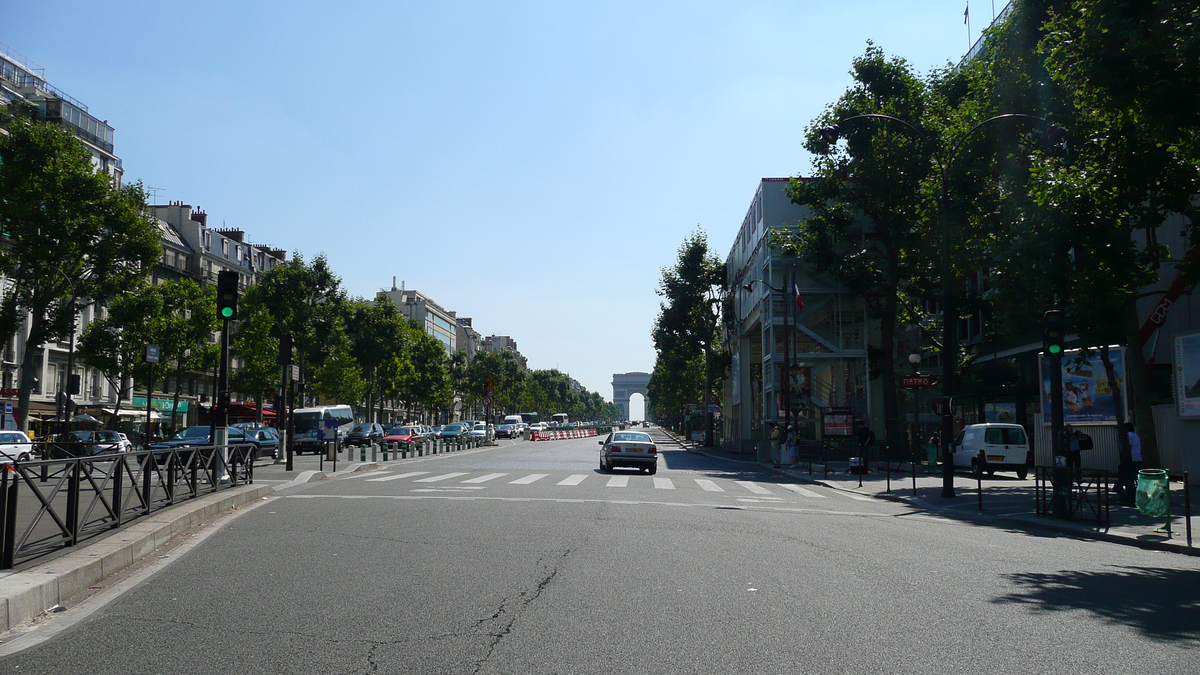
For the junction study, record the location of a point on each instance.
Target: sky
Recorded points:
(531, 165)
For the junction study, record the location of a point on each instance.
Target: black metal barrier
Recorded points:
(1090, 495)
(50, 504)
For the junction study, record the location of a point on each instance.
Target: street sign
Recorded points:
(8, 408)
(151, 353)
(487, 400)
(329, 430)
(916, 381)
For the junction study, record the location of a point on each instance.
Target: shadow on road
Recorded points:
(1160, 603)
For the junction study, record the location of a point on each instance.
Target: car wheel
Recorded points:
(976, 470)
(602, 467)
(24, 457)
(1022, 473)
(652, 470)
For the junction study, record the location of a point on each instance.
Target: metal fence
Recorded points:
(47, 505)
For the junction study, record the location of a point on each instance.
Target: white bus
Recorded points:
(559, 419)
(308, 423)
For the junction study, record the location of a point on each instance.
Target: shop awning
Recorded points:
(134, 413)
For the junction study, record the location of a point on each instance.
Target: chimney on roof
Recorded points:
(199, 216)
(393, 283)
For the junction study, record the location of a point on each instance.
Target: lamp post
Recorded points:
(942, 159)
(787, 350)
(915, 360)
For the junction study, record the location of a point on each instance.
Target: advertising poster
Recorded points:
(837, 422)
(1187, 375)
(1087, 393)
(1005, 412)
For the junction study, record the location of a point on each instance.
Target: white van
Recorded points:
(513, 419)
(993, 447)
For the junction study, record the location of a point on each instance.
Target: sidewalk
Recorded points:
(1008, 503)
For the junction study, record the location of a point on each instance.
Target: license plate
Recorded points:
(633, 449)
(996, 458)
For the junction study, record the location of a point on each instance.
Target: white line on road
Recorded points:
(756, 489)
(434, 479)
(708, 485)
(860, 498)
(370, 473)
(528, 479)
(663, 484)
(397, 476)
(618, 481)
(802, 491)
(573, 480)
(485, 478)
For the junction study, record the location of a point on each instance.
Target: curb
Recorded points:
(28, 593)
(1038, 523)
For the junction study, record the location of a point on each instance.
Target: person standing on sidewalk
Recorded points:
(1127, 470)
(776, 433)
(1071, 450)
(866, 438)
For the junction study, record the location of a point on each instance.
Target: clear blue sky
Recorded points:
(532, 165)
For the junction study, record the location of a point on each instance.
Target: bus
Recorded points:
(559, 419)
(530, 418)
(308, 423)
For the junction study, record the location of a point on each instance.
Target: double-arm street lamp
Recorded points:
(942, 159)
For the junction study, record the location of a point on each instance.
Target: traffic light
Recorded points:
(1054, 332)
(227, 295)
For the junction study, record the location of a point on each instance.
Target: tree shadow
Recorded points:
(1161, 603)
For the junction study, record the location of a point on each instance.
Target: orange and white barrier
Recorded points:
(562, 435)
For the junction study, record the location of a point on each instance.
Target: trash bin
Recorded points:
(931, 455)
(1154, 492)
(856, 465)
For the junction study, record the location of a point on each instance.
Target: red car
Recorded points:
(403, 435)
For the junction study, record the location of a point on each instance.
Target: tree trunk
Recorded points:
(30, 367)
(1118, 405)
(1139, 388)
(893, 431)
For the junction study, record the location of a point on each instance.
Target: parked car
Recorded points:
(403, 435)
(629, 448)
(192, 437)
(15, 447)
(364, 434)
(267, 440)
(85, 443)
(454, 431)
(993, 447)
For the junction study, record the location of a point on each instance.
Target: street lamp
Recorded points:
(784, 389)
(1056, 135)
(915, 360)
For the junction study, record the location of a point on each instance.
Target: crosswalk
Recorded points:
(618, 481)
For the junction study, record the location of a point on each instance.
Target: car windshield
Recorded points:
(361, 428)
(190, 433)
(452, 427)
(631, 438)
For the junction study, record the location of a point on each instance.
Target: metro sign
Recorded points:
(916, 381)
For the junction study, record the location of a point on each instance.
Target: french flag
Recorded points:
(798, 298)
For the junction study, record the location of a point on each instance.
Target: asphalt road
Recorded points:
(526, 559)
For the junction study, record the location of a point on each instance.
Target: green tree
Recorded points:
(256, 343)
(685, 328)
(116, 344)
(184, 331)
(430, 382)
(70, 234)
(870, 226)
(379, 343)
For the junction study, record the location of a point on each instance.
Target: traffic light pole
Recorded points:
(1053, 338)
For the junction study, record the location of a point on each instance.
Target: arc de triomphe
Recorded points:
(627, 384)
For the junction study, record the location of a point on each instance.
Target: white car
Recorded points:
(993, 447)
(629, 448)
(14, 447)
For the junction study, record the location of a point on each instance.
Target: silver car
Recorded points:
(629, 448)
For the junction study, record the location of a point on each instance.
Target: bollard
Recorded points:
(362, 453)
(386, 447)
(1187, 507)
(374, 453)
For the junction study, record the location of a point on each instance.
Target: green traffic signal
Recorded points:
(1055, 349)
(226, 312)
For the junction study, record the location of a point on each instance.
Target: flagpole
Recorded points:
(967, 20)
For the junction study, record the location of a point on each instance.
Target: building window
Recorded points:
(225, 247)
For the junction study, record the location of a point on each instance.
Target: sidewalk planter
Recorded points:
(1154, 492)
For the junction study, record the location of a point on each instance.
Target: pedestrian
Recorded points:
(1130, 465)
(1070, 449)
(1080, 443)
(776, 434)
(866, 438)
(790, 443)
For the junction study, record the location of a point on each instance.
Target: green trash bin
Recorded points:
(931, 455)
(1154, 492)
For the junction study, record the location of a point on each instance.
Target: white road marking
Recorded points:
(397, 476)
(445, 476)
(663, 484)
(573, 480)
(528, 479)
(485, 478)
(756, 489)
(708, 485)
(618, 481)
(369, 473)
(802, 491)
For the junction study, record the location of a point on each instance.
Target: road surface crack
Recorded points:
(522, 601)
